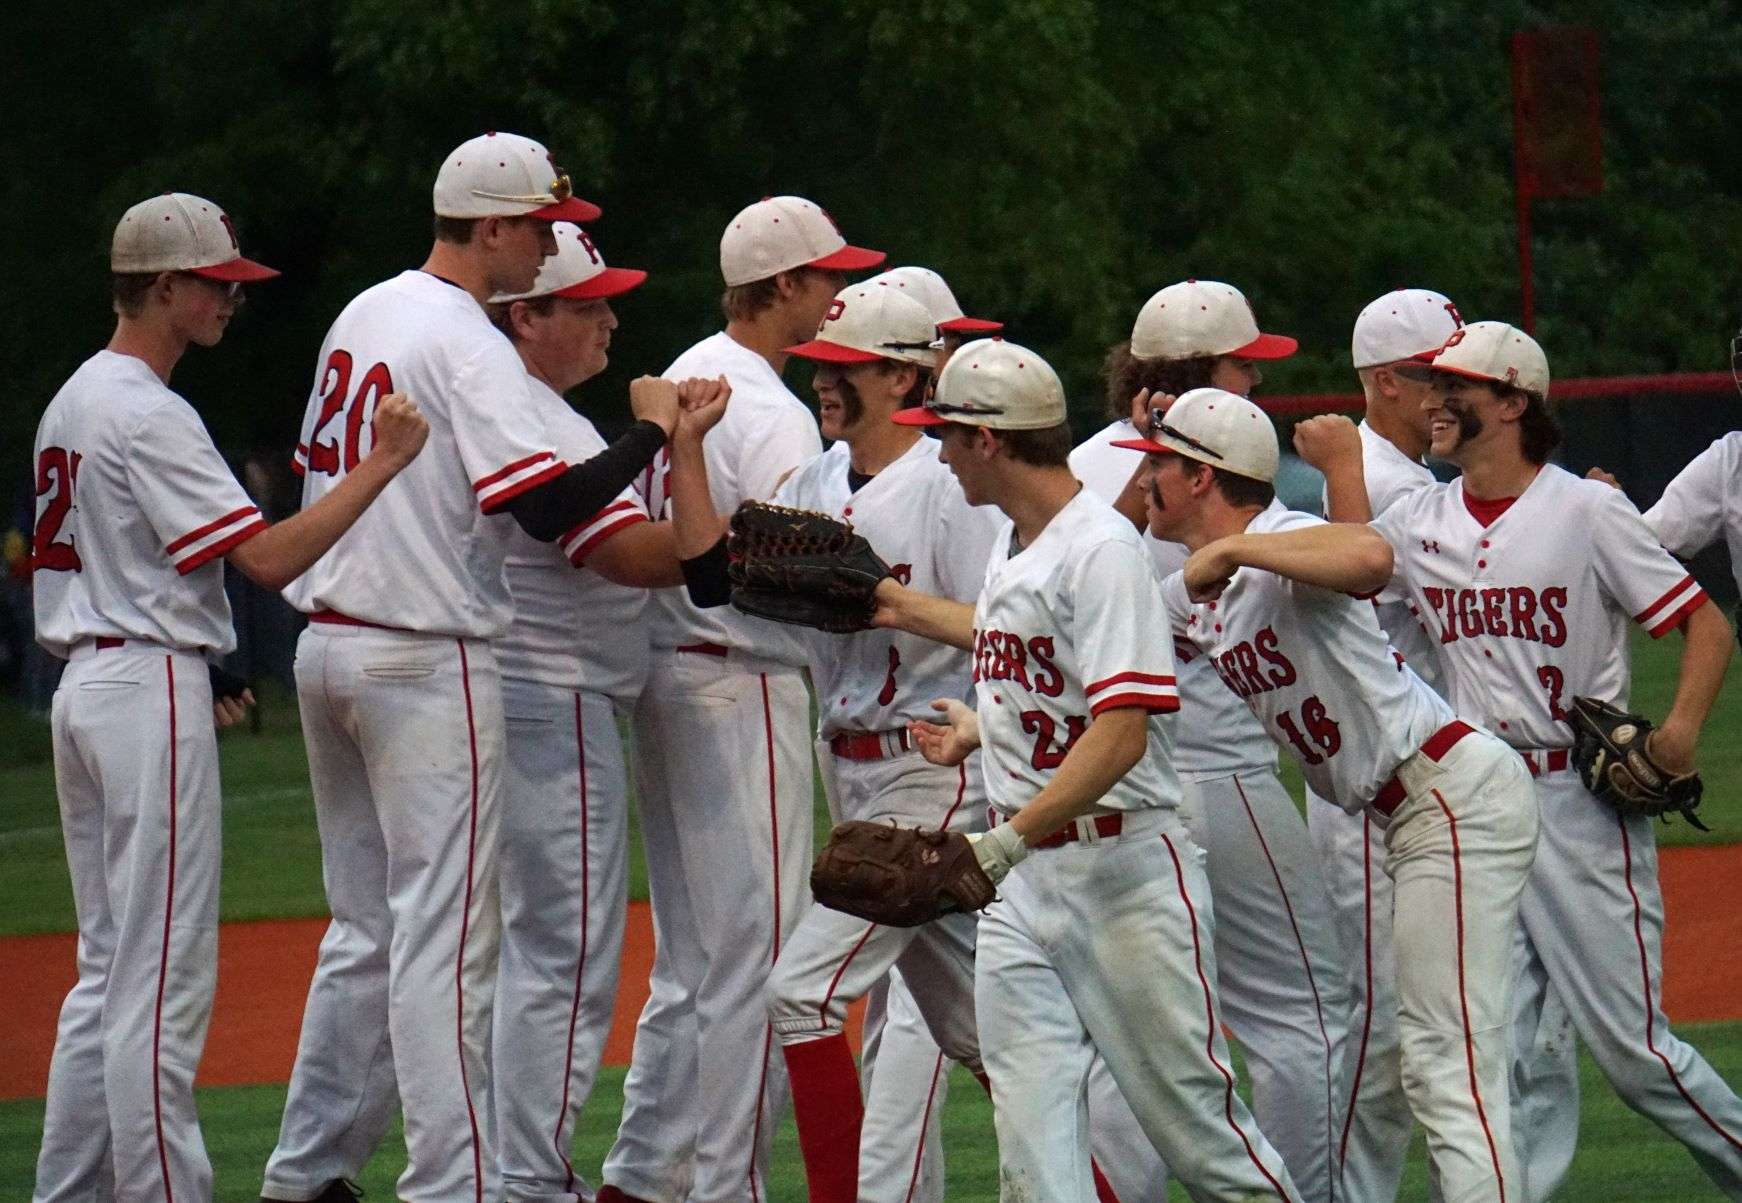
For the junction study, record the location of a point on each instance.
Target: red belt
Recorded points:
(868, 745)
(1547, 760)
(1105, 826)
(107, 643)
(334, 618)
(704, 649)
(1392, 793)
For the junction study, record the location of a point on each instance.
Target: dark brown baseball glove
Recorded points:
(802, 567)
(899, 876)
(1615, 763)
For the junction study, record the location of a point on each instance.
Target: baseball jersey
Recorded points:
(1215, 735)
(135, 509)
(914, 516)
(426, 555)
(1392, 475)
(574, 630)
(765, 433)
(1704, 500)
(1530, 605)
(1064, 631)
(1314, 667)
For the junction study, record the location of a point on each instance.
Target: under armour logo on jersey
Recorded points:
(1432, 545)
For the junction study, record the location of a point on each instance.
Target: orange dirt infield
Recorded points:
(264, 971)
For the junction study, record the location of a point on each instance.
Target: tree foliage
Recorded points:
(1057, 160)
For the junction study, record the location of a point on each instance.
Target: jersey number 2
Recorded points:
(56, 471)
(377, 382)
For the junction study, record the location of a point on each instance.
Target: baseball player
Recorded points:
(1283, 977)
(135, 512)
(564, 846)
(1098, 874)
(1527, 575)
(723, 770)
(1266, 595)
(399, 689)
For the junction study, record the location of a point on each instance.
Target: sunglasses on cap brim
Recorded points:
(1158, 425)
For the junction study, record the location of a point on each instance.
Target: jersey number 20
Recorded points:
(377, 382)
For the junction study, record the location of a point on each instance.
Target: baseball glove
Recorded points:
(1615, 763)
(802, 567)
(899, 876)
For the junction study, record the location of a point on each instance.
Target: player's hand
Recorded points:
(227, 712)
(400, 430)
(1327, 440)
(1145, 405)
(1672, 747)
(701, 405)
(1606, 478)
(947, 743)
(1209, 569)
(654, 399)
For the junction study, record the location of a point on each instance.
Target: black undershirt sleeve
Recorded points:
(705, 577)
(559, 505)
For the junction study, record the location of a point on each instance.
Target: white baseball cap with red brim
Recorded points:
(779, 233)
(872, 321)
(181, 232)
(506, 175)
(577, 270)
(1498, 353)
(1214, 427)
(1406, 324)
(1198, 318)
(929, 289)
(995, 384)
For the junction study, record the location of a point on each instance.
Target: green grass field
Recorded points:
(272, 870)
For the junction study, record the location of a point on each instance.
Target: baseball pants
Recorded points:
(1459, 850)
(906, 1080)
(405, 741)
(1104, 945)
(136, 772)
(723, 767)
(564, 886)
(1593, 924)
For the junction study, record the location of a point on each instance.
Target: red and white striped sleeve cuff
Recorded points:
(1667, 612)
(584, 539)
(505, 484)
(204, 543)
(299, 459)
(1146, 691)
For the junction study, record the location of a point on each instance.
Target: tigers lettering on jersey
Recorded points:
(1509, 612)
(1256, 665)
(1002, 656)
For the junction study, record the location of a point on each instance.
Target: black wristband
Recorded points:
(226, 685)
(704, 576)
(548, 510)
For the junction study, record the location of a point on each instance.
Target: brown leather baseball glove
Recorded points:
(899, 876)
(1615, 763)
(802, 567)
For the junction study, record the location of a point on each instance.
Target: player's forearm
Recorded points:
(1130, 501)
(936, 618)
(548, 511)
(642, 556)
(1349, 558)
(1346, 497)
(1706, 652)
(695, 524)
(1111, 746)
(281, 553)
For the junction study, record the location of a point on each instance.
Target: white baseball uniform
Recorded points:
(1530, 600)
(402, 715)
(1283, 978)
(1316, 669)
(573, 658)
(723, 771)
(1702, 502)
(134, 510)
(1373, 1139)
(869, 686)
(1064, 631)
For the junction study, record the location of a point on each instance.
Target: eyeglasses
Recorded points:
(965, 409)
(230, 290)
(1419, 373)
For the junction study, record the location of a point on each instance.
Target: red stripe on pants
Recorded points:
(163, 956)
(465, 927)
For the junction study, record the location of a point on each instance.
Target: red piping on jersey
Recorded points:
(1306, 963)
(1645, 986)
(465, 927)
(924, 1126)
(1644, 616)
(519, 465)
(163, 957)
(961, 792)
(1214, 1026)
(1152, 702)
(490, 500)
(1659, 627)
(1136, 678)
(217, 524)
(1463, 999)
(562, 1110)
(222, 547)
(1487, 510)
(1367, 950)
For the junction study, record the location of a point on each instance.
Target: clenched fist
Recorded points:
(654, 399)
(1327, 440)
(400, 430)
(702, 403)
